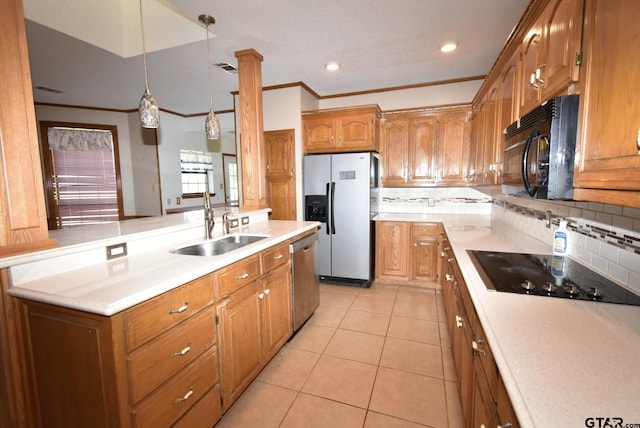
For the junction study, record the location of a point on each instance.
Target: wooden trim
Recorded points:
(127, 111)
(428, 109)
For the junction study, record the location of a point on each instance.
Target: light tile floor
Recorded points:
(368, 357)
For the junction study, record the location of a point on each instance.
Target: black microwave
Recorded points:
(539, 154)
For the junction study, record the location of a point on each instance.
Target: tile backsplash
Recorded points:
(605, 237)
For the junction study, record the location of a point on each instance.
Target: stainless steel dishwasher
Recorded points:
(306, 287)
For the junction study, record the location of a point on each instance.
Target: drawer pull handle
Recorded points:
(261, 296)
(477, 349)
(186, 396)
(459, 323)
(180, 309)
(507, 425)
(278, 257)
(184, 351)
(448, 277)
(451, 260)
(243, 276)
(267, 291)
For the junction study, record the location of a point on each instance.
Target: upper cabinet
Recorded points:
(609, 160)
(341, 130)
(425, 148)
(550, 54)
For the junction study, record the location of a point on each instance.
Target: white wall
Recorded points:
(175, 133)
(427, 96)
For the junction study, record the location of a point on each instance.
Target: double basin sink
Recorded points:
(219, 246)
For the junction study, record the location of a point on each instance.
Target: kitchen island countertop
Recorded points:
(563, 362)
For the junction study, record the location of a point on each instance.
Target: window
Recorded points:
(82, 174)
(196, 170)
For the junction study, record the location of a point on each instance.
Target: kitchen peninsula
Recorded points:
(136, 340)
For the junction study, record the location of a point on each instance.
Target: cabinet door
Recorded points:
(453, 143)
(393, 152)
(530, 60)
(239, 339)
(356, 132)
(562, 39)
(478, 124)
(276, 304)
(392, 249)
(610, 141)
(483, 412)
(424, 259)
(319, 134)
(422, 149)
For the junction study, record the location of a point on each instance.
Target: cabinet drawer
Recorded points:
(205, 413)
(149, 319)
(158, 360)
(274, 257)
(175, 398)
(424, 229)
(233, 277)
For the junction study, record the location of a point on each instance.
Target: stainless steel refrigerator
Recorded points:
(340, 191)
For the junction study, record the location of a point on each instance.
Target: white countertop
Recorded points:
(562, 361)
(108, 287)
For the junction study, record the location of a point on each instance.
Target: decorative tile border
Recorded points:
(617, 237)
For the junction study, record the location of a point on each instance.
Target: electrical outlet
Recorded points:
(431, 202)
(245, 220)
(178, 200)
(168, 201)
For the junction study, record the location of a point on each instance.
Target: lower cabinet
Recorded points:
(255, 321)
(483, 397)
(407, 253)
(150, 365)
(180, 359)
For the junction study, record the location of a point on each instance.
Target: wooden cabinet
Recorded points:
(151, 364)
(179, 359)
(483, 398)
(423, 254)
(392, 250)
(425, 148)
(609, 160)
(550, 53)
(341, 130)
(407, 253)
(254, 316)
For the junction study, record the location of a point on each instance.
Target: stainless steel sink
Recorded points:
(219, 246)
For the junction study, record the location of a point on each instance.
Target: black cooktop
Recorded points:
(546, 275)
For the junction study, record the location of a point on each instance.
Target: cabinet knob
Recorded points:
(451, 260)
(180, 309)
(186, 396)
(261, 296)
(459, 322)
(267, 291)
(638, 141)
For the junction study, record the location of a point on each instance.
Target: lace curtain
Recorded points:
(80, 139)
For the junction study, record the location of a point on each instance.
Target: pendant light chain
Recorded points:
(148, 109)
(211, 124)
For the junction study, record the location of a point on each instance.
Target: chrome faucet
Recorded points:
(226, 223)
(209, 221)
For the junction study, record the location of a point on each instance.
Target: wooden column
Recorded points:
(252, 157)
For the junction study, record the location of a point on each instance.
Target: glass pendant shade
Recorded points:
(149, 110)
(212, 126)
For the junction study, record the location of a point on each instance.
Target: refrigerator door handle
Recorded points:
(333, 218)
(329, 219)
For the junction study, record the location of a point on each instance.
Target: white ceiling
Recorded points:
(91, 50)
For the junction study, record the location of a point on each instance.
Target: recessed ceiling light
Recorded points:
(449, 47)
(332, 66)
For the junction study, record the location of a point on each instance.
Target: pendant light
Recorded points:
(148, 108)
(212, 124)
